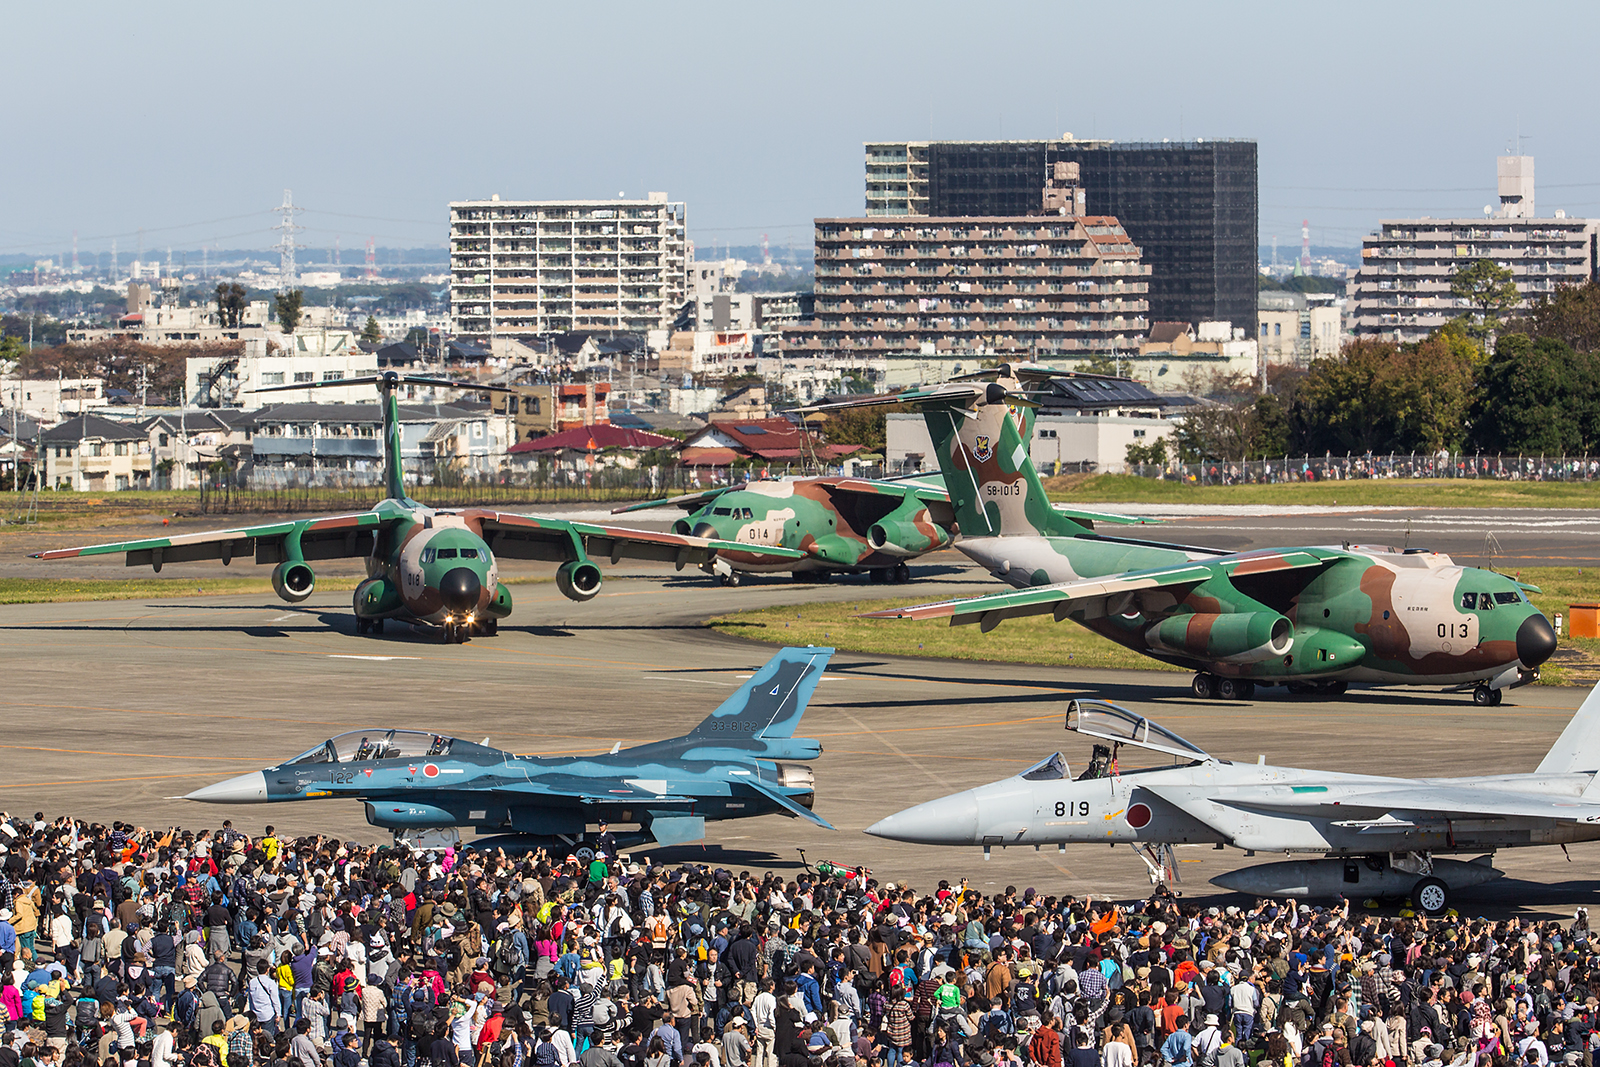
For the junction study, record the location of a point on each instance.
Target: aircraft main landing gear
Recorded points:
(731, 579)
(1485, 697)
(902, 573)
(368, 626)
(1431, 896)
(1208, 686)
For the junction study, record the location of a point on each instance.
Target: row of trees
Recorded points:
(1528, 385)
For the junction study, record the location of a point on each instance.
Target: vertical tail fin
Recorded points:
(770, 704)
(394, 483)
(993, 485)
(1578, 747)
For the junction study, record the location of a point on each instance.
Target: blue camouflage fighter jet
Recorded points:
(743, 760)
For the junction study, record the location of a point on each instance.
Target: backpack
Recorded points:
(1327, 1056)
(88, 1012)
(508, 955)
(423, 1024)
(204, 1055)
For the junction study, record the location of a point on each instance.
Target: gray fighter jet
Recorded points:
(743, 760)
(1375, 836)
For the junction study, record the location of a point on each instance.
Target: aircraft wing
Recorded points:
(1384, 803)
(532, 537)
(328, 537)
(1091, 596)
(688, 501)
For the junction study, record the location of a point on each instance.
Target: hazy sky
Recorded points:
(189, 120)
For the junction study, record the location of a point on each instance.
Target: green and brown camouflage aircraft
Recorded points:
(1312, 619)
(433, 568)
(835, 525)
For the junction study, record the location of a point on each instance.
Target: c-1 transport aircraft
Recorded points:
(1313, 619)
(433, 568)
(1376, 836)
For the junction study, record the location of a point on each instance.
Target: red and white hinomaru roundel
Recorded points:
(430, 770)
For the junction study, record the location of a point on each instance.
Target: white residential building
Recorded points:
(1402, 291)
(307, 356)
(52, 399)
(529, 267)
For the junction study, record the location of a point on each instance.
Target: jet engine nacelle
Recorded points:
(405, 815)
(377, 597)
(579, 579)
(1239, 637)
(909, 531)
(294, 580)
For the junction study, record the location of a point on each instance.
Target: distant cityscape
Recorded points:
(1141, 261)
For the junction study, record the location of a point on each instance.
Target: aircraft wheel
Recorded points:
(1335, 688)
(585, 853)
(1246, 688)
(877, 576)
(1431, 896)
(492, 628)
(377, 626)
(902, 573)
(1497, 696)
(362, 625)
(734, 579)
(1300, 689)
(1228, 689)
(1483, 696)
(797, 576)
(1204, 686)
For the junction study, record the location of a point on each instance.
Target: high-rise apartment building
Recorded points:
(1402, 291)
(1191, 206)
(519, 268)
(1043, 285)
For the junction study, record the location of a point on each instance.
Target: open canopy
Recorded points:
(1097, 718)
(363, 746)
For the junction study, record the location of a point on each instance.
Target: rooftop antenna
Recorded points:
(287, 274)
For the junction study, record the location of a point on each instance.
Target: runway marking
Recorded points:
(134, 755)
(281, 618)
(892, 747)
(380, 659)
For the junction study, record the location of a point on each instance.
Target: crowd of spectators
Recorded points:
(121, 947)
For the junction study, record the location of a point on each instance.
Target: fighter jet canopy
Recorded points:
(364, 746)
(1097, 718)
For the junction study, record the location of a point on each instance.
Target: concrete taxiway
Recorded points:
(113, 708)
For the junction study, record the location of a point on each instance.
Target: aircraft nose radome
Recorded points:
(459, 589)
(951, 820)
(1536, 641)
(245, 789)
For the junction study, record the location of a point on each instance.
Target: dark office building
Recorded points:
(1191, 206)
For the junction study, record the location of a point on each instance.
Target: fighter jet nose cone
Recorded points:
(951, 820)
(459, 589)
(246, 789)
(1536, 641)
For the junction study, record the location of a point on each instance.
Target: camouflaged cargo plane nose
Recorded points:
(1313, 619)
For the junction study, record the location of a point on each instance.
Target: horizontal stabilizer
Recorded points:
(788, 803)
(770, 703)
(1403, 802)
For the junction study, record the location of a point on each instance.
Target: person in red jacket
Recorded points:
(1045, 1047)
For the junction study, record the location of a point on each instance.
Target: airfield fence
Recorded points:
(1394, 465)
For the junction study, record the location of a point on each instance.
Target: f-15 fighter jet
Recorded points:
(1373, 835)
